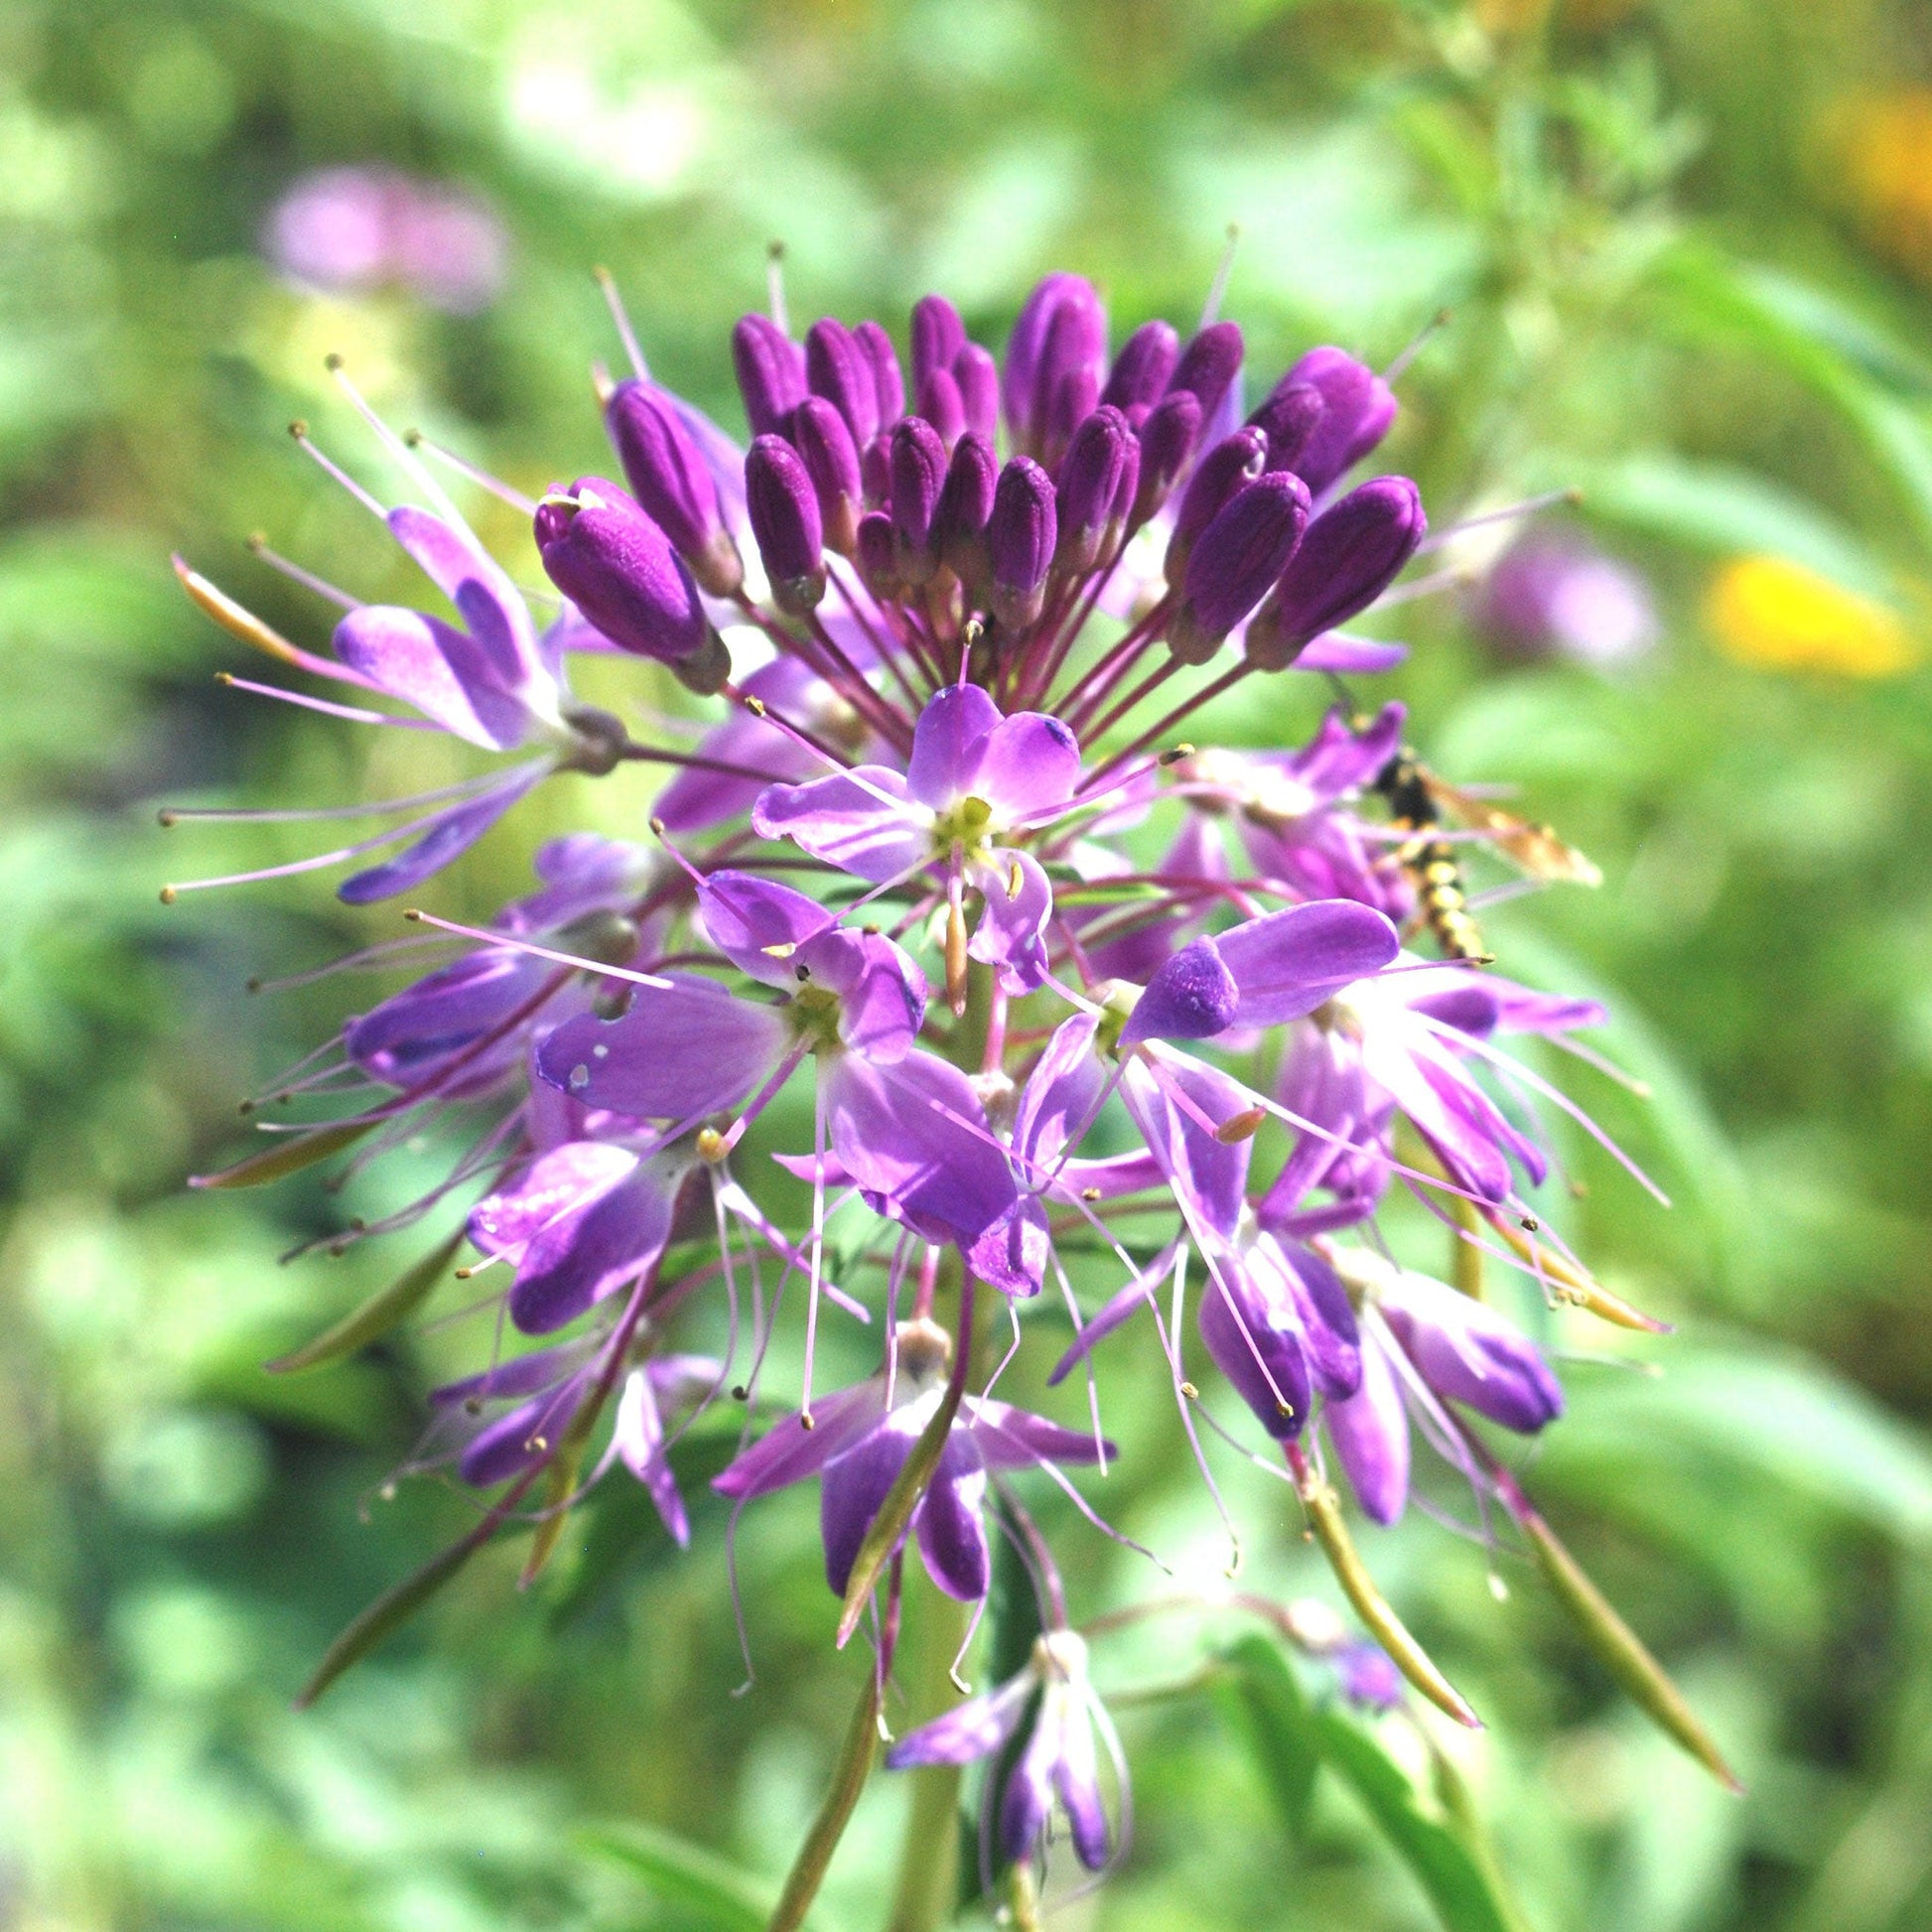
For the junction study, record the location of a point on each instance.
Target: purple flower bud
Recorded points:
(783, 508)
(1208, 365)
(1366, 1675)
(939, 336)
(1370, 1434)
(941, 405)
(1289, 418)
(965, 507)
(1127, 491)
(620, 570)
(825, 447)
(1088, 484)
(1141, 368)
(668, 476)
(1348, 558)
(1059, 335)
(839, 370)
(1193, 997)
(888, 386)
(1232, 462)
(876, 555)
(1357, 411)
(1167, 442)
(1235, 560)
(1019, 539)
(919, 475)
(1466, 1350)
(978, 376)
(770, 372)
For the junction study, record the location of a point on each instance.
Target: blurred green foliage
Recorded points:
(1638, 218)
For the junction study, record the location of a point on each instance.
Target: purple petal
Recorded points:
(1330, 1338)
(1012, 1439)
(1028, 762)
(1466, 1350)
(540, 1368)
(432, 665)
(1061, 1095)
(881, 993)
(450, 835)
(1287, 963)
(1076, 1779)
(568, 1176)
(1346, 656)
(1193, 997)
(1012, 930)
(493, 610)
(588, 1251)
(1013, 1252)
(684, 1050)
(1028, 1797)
(412, 1033)
(857, 1480)
(758, 925)
(974, 1729)
(847, 823)
(1256, 1343)
(950, 1523)
(947, 745)
(789, 1452)
(638, 1436)
(1370, 1434)
(1206, 1173)
(915, 1135)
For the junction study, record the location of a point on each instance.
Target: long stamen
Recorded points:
(620, 321)
(214, 814)
(334, 471)
(239, 622)
(413, 465)
(294, 573)
(775, 284)
(356, 713)
(515, 498)
(1218, 288)
(1398, 369)
(1508, 513)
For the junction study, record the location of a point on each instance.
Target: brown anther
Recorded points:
(740, 1393)
(1528, 1225)
(712, 1146)
(413, 438)
(472, 1406)
(299, 429)
(168, 896)
(1190, 1392)
(167, 819)
(412, 913)
(806, 1420)
(782, 950)
(333, 362)
(251, 984)
(1089, 1193)
(1175, 753)
(755, 705)
(1014, 880)
(1240, 1127)
(656, 827)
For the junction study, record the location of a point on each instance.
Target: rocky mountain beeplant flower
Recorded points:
(1062, 992)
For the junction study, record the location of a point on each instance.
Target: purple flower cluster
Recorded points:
(1070, 995)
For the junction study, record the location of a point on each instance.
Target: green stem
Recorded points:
(849, 1777)
(928, 1859)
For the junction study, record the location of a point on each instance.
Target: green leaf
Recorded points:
(291, 1156)
(1264, 1700)
(1432, 1847)
(375, 1317)
(1718, 507)
(684, 1875)
(393, 1608)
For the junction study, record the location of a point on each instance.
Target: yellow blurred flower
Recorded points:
(1886, 141)
(1777, 616)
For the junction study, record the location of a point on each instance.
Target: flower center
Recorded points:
(967, 824)
(814, 1014)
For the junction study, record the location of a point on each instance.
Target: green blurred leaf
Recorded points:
(1264, 1703)
(1719, 507)
(290, 1155)
(375, 1317)
(685, 1874)
(1429, 1845)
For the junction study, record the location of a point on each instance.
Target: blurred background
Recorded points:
(1688, 249)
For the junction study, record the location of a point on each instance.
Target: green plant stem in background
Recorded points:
(849, 1774)
(928, 1859)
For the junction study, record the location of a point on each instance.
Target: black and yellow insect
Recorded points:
(1419, 802)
